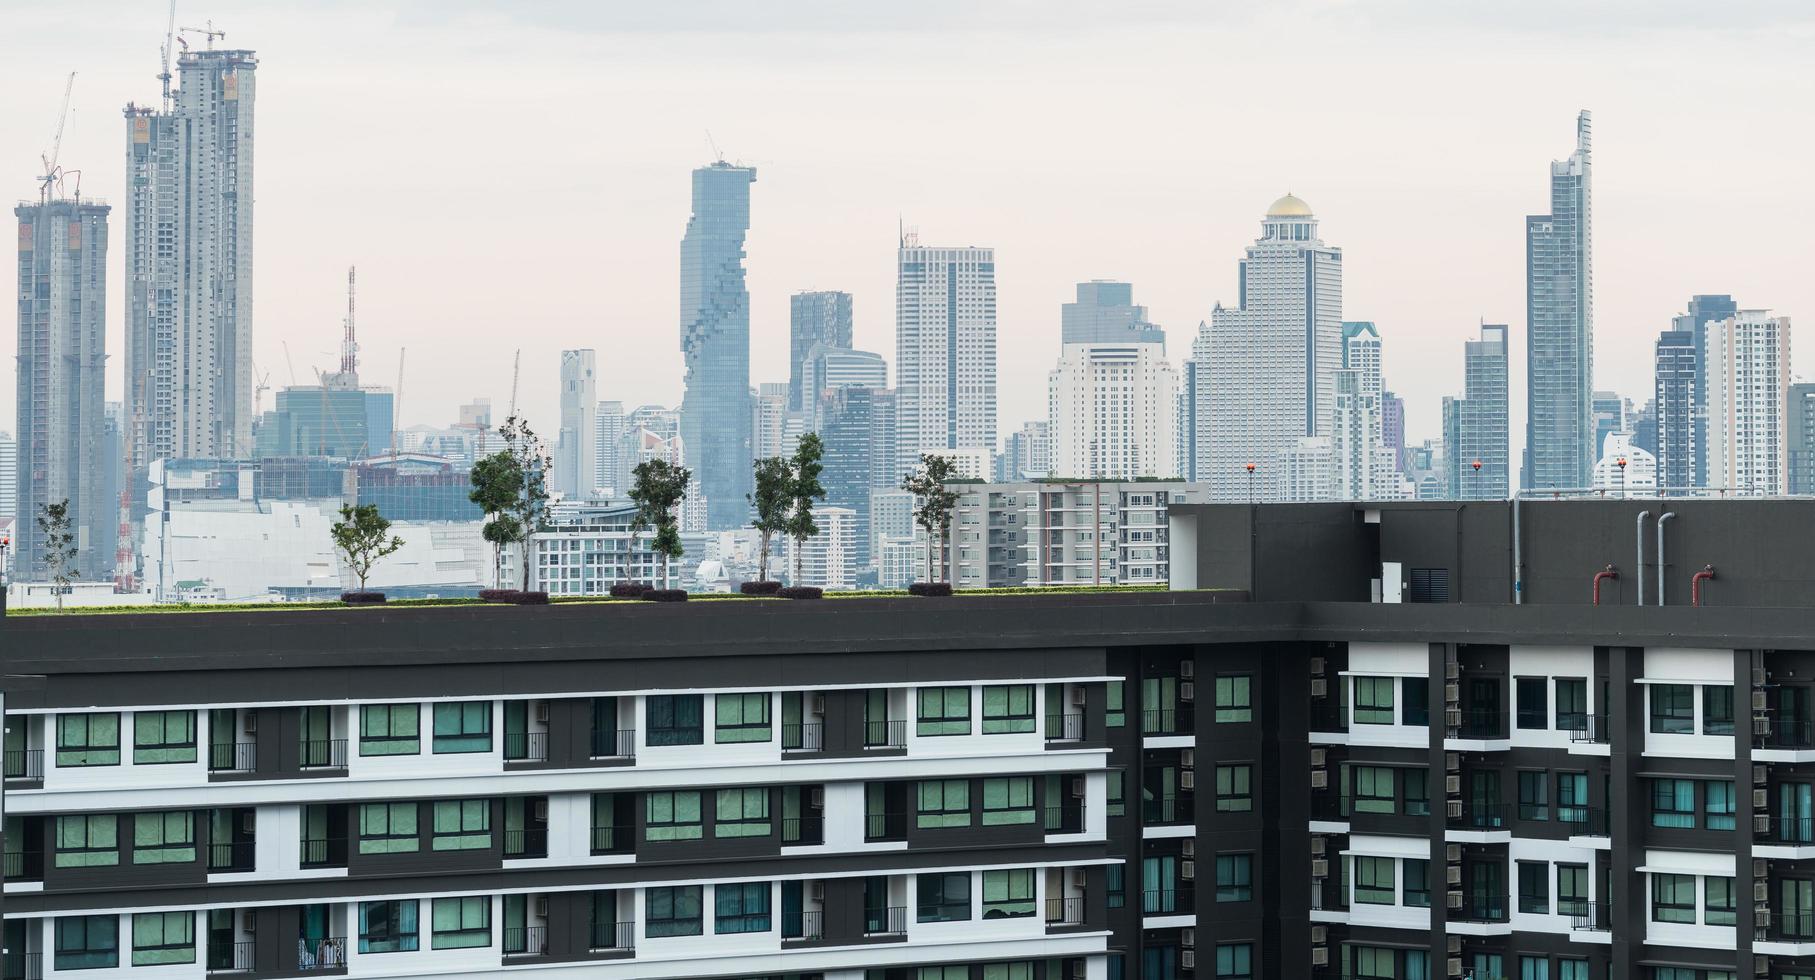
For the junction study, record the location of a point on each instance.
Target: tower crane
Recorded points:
(515, 365)
(169, 43)
(52, 172)
(397, 402)
(208, 32)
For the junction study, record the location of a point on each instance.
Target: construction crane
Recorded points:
(515, 366)
(53, 174)
(258, 392)
(290, 363)
(165, 51)
(208, 32)
(397, 403)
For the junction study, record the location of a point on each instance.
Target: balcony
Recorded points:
(232, 957)
(24, 765)
(1070, 728)
(22, 966)
(1782, 734)
(1168, 721)
(232, 856)
(807, 737)
(1062, 912)
(614, 840)
(526, 941)
(1065, 819)
(328, 955)
(613, 937)
(323, 852)
(891, 921)
(1588, 916)
(1588, 821)
(619, 743)
(1481, 908)
(890, 826)
(233, 757)
(1478, 724)
(1479, 815)
(803, 927)
(885, 734)
(525, 746)
(1785, 927)
(803, 830)
(530, 842)
(327, 754)
(1584, 728)
(24, 866)
(1786, 831)
(1179, 809)
(1177, 900)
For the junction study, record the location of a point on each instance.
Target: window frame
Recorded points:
(1533, 787)
(675, 827)
(1575, 810)
(1532, 878)
(1673, 714)
(1367, 708)
(1416, 870)
(87, 752)
(163, 951)
(945, 907)
(93, 927)
(948, 812)
(1235, 877)
(1681, 814)
(392, 840)
(1009, 814)
(944, 723)
(1528, 716)
(1570, 900)
(166, 850)
(392, 740)
(1713, 724)
(1232, 800)
(163, 752)
(468, 931)
(742, 822)
(1234, 699)
(676, 921)
(674, 727)
(461, 737)
(469, 822)
(751, 908)
(1373, 800)
(1416, 692)
(90, 854)
(1714, 818)
(1013, 904)
(1670, 886)
(1004, 719)
(1238, 964)
(1367, 870)
(1719, 915)
(738, 706)
(400, 937)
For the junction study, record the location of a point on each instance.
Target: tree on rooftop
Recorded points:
(770, 502)
(511, 487)
(936, 500)
(59, 544)
(359, 536)
(804, 487)
(658, 489)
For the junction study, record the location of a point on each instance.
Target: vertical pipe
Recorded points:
(1518, 563)
(1640, 567)
(1661, 518)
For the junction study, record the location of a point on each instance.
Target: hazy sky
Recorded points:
(515, 174)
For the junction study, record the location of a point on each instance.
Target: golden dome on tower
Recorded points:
(1289, 207)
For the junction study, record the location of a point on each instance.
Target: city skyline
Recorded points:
(316, 210)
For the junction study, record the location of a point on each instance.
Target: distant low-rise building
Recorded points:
(586, 549)
(1064, 533)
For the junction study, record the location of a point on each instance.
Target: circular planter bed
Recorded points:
(930, 588)
(629, 590)
(802, 592)
(362, 598)
(760, 588)
(666, 595)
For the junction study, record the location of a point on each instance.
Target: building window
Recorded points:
(388, 927)
(1234, 961)
(1534, 794)
(460, 923)
(1533, 710)
(741, 718)
(1417, 882)
(1718, 906)
(672, 911)
(1115, 886)
(943, 897)
(1572, 889)
(1672, 898)
(944, 711)
(91, 841)
(87, 942)
(1373, 963)
(1673, 803)
(1417, 691)
(1373, 701)
(88, 740)
(160, 737)
(1534, 968)
(1235, 698)
(1375, 789)
(1234, 789)
(1008, 894)
(167, 837)
(944, 803)
(388, 828)
(1572, 704)
(1415, 785)
(1008, 800)
(741, 908)
(1374, 880)
(675, 719)
(463, 726)
(462, 825)
(1116, 792)
(1576, 970)
(1672, 709)
(943, 973)
(390, 729)
(1008, 708)
(1718, 804)
(163, 937)
(1115, 710)
(1023, 970)
(1234, 877)
(1534, 887)
(741, 813)
(1572, 797)
(672, 815)
(1717, 709)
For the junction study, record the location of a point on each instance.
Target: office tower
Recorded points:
(1105, 313)
(61, 363)
(1609, 414)
(189, 203)
(577, 446)
(9, 475)
(825, 369)
(1644, 426)
(1193, 425)
(1427, 467)
(1112, 411)
(608, 427)
(1302, 472)
(1475, 425)
(1746, 376)
(324, 420)
(1361, 354)
(715, 337)
(1266, 372)
(1676, 363)
(1366, 469)
(857, 429)
(945, 350)
(769, 421)
(1026, 454)
(1690, 417)
(814, 319)
(1559, 340)
(1799, 442)
(1392, 427)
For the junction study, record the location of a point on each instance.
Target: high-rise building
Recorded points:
(1475, 425)
(715, 339)
(1559, 339)
(1026, 454)
(327, 420)
(608, 428)
(1610, 414)
(1746, 374)
(1105, 314)
(1624, 469)
(1113, 411)
(1644, 426)
(814, 319)
(577, 446)
(1055, 532)
(828, 559)
(1365, 468)
(769, 421)
(9, 474)
(1361, 354)
(1266, 371)
(188, 234)
(1703, 308)
(857, 430)
(1392, 427)
(945, 350)
(61, 403)
(1799, 442)
(1676, 363)
(825, 369)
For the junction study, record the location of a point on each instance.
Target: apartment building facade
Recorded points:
(1064, 532)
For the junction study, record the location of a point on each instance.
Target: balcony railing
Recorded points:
(1482, 908)
(885, 734)
(1065, 819)
(530, 842)
(1168, 721)
(891, 921)
(1791, 927)
(22, 966)
(1588, 916)
(526, 941)
(1584, 821)
(24, 866)
(805, 926)
(1584, 727)
(1488, 723)
(1479, 815)
(1065, 911)
(25, 764)
(1179, 900)
(803, 830)
(1070, 728)
(805, 737)
(232, 957)
(323, 852)
(610, 743)
(613, 840)
(322, 954)
(237, 855)
(611, 937)
(1774, 829)
(323, 753)
(525, 746)
(233, 757)
(1795, 733)
(1168, 809)
(884, 826)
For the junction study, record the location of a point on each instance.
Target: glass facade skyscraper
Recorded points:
(1703, 309)
(1559, 335)
(1475, 425)
(1677, 366)
(821, 319)
(716, 422)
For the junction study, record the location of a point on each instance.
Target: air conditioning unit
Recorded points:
(818, 892)
(1452, 785)
(1187, 870)
(1077, 787)
(1188, 758)
(541, 712)
(1320, 956)
(1454, 809)
(818, 704)
(1761, 868)
(1761, 726)
(1187, 779)
(1188, 847)
(1760, 801)
(1320, 688)
(251, 722)
(1452, 717)
(1758, 700)
(1758, 775)
(1187, 669)
(1187, 691)
(1320, 778)
(1317, 757)
(1454, 944)
(1187, 937)
(248, 823)
(1761, 823)
(1187, 959)
(1316, 665)
(1320, 868)
(1761, 966)
(540, 810)
(1761, 891)
(1758, 677)
(1455, 966)
(1451, 670)
(1079, 697)
(1452, 693)
(1452, 853)
(1318, 845)
(1454, 900)
(1452, 761)
(1320, 934)
(818, 797)
(1454, 877)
